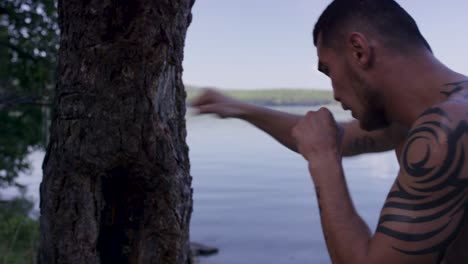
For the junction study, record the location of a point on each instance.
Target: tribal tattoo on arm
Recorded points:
(358, 142)
(362, 144)
(450, 89)
(428, 205)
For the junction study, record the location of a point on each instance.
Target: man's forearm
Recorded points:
(275, 123)
(279, 125)
(346, 234)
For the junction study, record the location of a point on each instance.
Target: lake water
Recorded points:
(254, 199)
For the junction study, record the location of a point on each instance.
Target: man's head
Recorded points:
(355, 39)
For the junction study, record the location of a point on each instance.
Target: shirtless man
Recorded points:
(403, 98)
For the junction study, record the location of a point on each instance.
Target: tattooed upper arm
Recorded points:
(357, 141)
(428, 204)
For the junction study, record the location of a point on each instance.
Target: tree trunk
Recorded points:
(116, 185)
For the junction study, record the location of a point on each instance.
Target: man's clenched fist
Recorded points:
(318, 137)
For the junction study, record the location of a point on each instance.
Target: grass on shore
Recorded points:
(19, 234)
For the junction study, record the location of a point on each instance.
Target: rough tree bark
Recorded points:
(116, 185)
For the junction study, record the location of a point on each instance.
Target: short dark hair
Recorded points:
(384, 17)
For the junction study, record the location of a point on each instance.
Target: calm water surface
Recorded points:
(254, 199)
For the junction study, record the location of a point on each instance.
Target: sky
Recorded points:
(257, 44)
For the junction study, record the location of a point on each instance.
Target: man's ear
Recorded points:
(360, 50)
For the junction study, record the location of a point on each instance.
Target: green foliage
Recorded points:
(19, 234)
(29, 43)
(19, 135)
(28, 57)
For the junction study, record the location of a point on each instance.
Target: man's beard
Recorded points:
(373, 116)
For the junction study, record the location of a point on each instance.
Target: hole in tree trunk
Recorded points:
(120, 218)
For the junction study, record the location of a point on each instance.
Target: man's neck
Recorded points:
(413, 85)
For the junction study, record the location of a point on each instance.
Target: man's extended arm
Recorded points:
(279, 124)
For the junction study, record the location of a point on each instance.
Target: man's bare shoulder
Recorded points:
(441, 130)
(455, 105)
(450, 114)
(428, 206)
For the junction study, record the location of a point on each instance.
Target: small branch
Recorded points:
(10, 102)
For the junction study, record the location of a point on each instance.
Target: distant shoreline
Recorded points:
(274, 97)
(292, 104)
